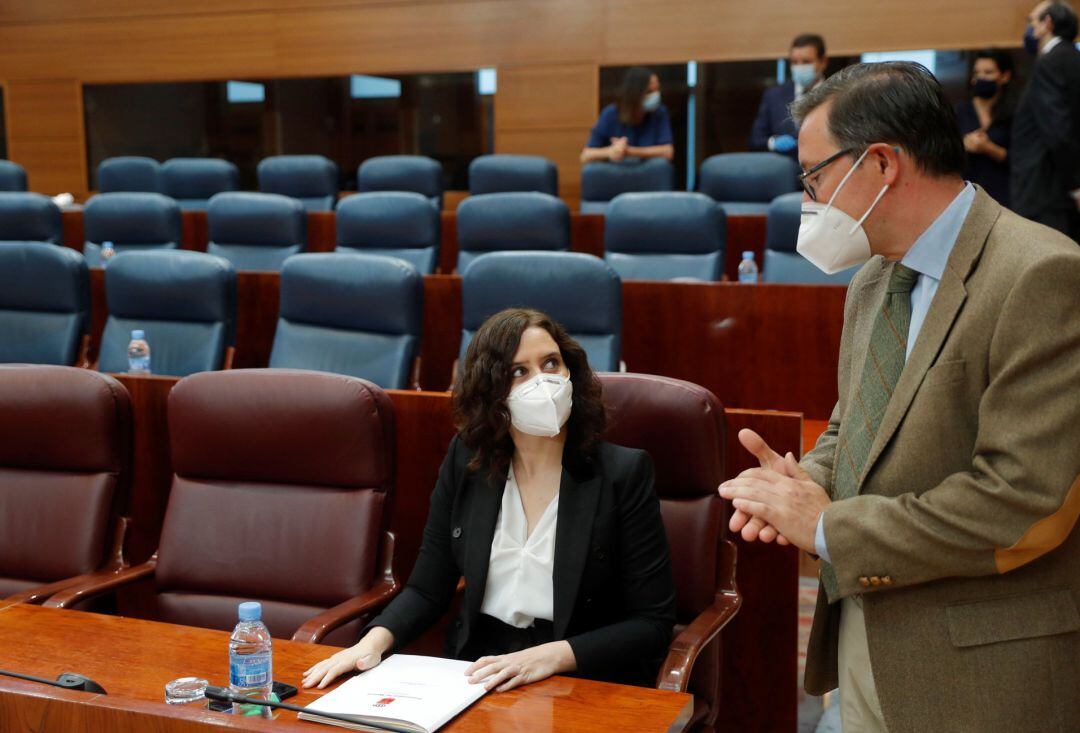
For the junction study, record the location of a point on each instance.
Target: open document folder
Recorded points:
(405, 693)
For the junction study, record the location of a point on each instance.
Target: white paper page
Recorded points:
(425, 691)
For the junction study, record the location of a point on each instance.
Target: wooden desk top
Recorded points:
(133, 659)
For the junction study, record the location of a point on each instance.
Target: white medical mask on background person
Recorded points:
(541, 406)
(831, 239)
(651, 101)
(803, 74)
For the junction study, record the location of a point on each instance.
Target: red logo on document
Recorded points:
(384, 702)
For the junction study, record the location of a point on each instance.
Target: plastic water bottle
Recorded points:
(138, 353)
(251, 666)
(748, 272)
(107, 252)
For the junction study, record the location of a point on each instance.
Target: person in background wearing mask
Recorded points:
(637, 126)
(773, 128)
(557, 534)
(944, 495)
(1046, 129)
(985, 120)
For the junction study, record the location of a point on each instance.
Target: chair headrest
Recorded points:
(299, 176)
(603, 181)
(387, 219)
(782, 222)
(12, 176)
(171, 285)
(357, 292)
(29, 217)
(282, 426)
(416, 173)
(199, 178)
(129, 173)
(679, 423)
(132, 218)
(247, 217)
(671, 222)
(750, 177)
(506, 221)
(502, 173)
(35, 276)
(58, 418)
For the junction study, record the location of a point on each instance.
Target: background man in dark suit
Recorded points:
(1046, 130)
(773, 128)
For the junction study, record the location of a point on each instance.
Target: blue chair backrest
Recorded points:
(255, 231)
(311, 178)
(664, 236)
(507, 173)
(44, 303)
(745, 183)
(496, 222)
(131, 221)
(184, 301)
(603, 181)
(353, 314)
(398, 224)
(12, 176)
(192, 181)
(416, 173)
(577, 290)
(129, 173)
(29, 217)
(782, 263)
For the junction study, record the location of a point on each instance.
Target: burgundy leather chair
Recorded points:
(681, 425)
(65, 456)
(281, 493)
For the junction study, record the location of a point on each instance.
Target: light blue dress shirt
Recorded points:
(928, 257)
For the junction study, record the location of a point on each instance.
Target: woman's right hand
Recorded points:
(367, 653)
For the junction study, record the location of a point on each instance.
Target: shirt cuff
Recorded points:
(819, 539)
(771, 144)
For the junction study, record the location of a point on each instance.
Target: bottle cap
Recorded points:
(106, 245)
(748, 255)
(250, 611)
(138, 334)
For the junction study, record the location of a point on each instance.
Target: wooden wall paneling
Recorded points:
(45, 133)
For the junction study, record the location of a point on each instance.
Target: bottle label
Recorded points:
(139, 364)
(250, 670)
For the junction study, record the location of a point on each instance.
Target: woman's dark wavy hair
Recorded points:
(631, 95)
(481, 416)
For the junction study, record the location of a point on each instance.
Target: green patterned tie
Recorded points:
(885, 359)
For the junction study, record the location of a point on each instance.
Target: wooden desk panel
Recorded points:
(133, 659)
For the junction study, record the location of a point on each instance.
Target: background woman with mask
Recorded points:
(986, 120)
(637, 126)
(557, 534)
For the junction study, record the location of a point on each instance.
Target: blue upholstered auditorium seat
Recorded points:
(130, 173)
(256, 231)
(495, 222)
(193, 181)
(664, 236)
(29, 217)
(578, 290)
(131, 221)
(416, 173)
(44, 303)
(745, 183)
(12, 176)
(399, 224)
(783, 264)
(311, 178)
(184, 301)
(603, 181)
(507, 173)
(354, 314)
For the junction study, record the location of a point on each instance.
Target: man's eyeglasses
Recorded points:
(804, 178)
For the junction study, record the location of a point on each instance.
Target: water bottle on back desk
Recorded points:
(748, 271)
(251, 669)
(138, 353)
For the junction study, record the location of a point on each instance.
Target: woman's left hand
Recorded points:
(507, 671)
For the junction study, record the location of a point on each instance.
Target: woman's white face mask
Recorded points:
(541, 405)
(831, 239)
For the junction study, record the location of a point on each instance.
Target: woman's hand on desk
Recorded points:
(367, 653)
(507, 671)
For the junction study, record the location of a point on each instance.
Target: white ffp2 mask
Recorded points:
(831, 239)
(541, 406)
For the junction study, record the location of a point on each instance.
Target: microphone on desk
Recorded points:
(67, 681)
(224, 694)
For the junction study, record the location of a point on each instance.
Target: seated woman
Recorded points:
(557, 534)
(986, 123)
(636, 127)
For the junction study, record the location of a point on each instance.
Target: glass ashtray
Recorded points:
(186, 691)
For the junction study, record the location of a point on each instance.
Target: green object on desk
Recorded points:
(257, 710)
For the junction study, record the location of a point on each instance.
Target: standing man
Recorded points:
(1046, 130)
(943, 497)
(773, 128)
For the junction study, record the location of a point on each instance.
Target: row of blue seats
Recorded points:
(352, 314)
(647, 236)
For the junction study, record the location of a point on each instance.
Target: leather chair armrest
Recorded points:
(100, 583)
